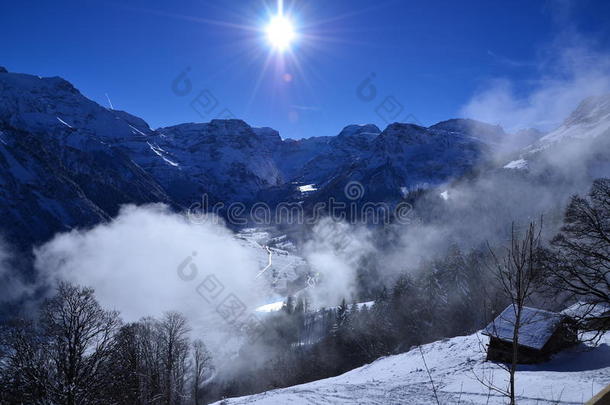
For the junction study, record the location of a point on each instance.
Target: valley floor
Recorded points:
(456, 365)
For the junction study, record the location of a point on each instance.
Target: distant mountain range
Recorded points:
(67, 162)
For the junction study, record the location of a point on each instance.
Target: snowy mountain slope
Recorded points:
(490, 134)
(590, 119)
(352, 144)
(296, 153)
(417, 156)
(227, 158)
(582, 133)
(570, 377)
(405, 157)
(66, 161)
(62, 162)
(280, 266)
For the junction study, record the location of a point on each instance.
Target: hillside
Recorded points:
(571, 377)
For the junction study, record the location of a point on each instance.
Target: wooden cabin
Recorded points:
(590, 316)
(541, 334)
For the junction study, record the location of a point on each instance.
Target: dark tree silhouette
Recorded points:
(579, 262)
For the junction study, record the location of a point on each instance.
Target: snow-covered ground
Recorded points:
(456, 365)
(279, 264)
(272, 307)
(307, 188)
(516, 164)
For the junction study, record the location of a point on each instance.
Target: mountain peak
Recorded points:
(357, 129)
(228, 122)
(590, 110)
(267, 133)
(403, 131)
(25, 83)
(401, 126)
(469, 126)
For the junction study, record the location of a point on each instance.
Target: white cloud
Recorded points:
(334, 252)
(570, 70)
(132, 263)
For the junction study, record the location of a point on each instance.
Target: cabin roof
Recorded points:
(587, 310)
(537, 326)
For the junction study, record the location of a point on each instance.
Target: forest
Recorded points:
(74, 351)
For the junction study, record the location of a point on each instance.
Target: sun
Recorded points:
(280, 32)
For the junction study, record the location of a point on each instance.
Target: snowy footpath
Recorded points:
(457, 366)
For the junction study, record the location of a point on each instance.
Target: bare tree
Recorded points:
(77, 340)
(202, 364)
(63, 359)
(579, 263)
(150, 368)
(518, 274)
(23, 367)
(126, 385)
(78, 353)
(173, 333)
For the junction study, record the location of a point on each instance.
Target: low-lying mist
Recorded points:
(149, 260)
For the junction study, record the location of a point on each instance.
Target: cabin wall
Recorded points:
(565, 336)
(595, 323)
(501, 351)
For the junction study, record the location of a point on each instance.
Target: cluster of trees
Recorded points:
(79, 353)
(76, 352)
(456, 294)
(574, 267)
(446, 297)
(577, 262)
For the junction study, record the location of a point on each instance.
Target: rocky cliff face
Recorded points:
(66, 161)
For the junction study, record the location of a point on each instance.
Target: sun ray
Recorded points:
(202, 20)
(259, 81)
(277, 41)
(319, 22)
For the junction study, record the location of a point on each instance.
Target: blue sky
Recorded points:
(427, 60)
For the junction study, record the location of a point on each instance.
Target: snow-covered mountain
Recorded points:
(456, 365)
(590, 120)
(66, 161)
(406, 157)
(353, 143)
(584, 134)
(226, 158)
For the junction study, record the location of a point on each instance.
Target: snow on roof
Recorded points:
(586, 310)
(537, 326)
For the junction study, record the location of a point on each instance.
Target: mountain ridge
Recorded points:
(70, 162)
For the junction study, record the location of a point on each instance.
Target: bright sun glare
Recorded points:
(280, 32)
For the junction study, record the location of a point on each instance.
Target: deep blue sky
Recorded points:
(431, 56)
